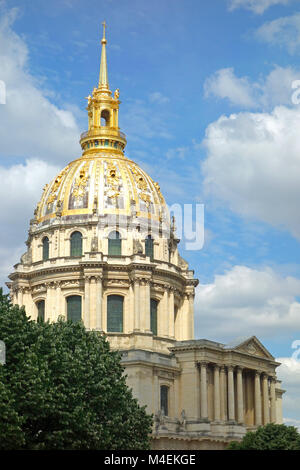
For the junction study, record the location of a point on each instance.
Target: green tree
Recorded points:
(67, 388)
(269, 437)
(11, 434)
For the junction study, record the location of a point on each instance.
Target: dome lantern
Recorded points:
(103, 115)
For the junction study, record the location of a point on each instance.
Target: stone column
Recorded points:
(217, 401)
(231, 411)
(203, 386)
(171, 314)
(87, 302)
(191, 317)
(266, 399)
(156, 394)
(184, 327)
(49, 302)
(147, 305)
(20, 296)
(136, 290)
(273, 399)
(93, 301)
(166, 312)
(58, 300)
(222, 394)
(257, 398)
(99, 326)
(240, 398)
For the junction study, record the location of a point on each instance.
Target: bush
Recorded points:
(269, 437)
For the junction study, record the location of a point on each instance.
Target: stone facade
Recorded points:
(203, 394)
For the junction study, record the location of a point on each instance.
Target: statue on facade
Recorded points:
(137, 247)
(94, 244)
(182, 421)
(59, 207)
(159, 420)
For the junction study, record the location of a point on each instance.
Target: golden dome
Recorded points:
(99, 185)
(103, 181)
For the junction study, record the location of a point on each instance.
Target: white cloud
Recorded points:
(256, 6)
(20, 190)
(289, 373)
(276, 88)
(158, 97)
(284, 32)
(245, 301)
(34, 128)
(253, 165)
(178, 152)
(224, 84)
(30, 124)
(266, 92)
(21, 187)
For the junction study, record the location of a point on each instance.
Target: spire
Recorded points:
(103, 134)
(103, 78)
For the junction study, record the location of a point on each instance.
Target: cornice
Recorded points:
(226, 356)
(131, 269)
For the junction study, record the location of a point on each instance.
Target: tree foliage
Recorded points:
(269, 437)
(63, 388)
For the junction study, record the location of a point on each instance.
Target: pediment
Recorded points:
(254, 347)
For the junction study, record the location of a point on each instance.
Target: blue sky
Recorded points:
(206, 91)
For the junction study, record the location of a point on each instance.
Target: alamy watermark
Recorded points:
(2, 352)
(177, 222)
(296, 353)
(189, 220)
(2, 92)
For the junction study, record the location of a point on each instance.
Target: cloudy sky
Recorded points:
(210, 106)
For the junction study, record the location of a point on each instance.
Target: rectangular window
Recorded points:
(153, 316)
(115, 313)
(41, 310)
(164, 399)
(74, 308)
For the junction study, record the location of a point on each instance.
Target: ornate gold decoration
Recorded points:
(142, 185)
(115, 175)
(51, 199)
(146, 198)
(139, 179)
(55, 187)
(89, 98)
(81, 182)
(113, 180)
(157, 187)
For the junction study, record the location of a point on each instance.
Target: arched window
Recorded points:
(41, 310)
(45, 248)
(153, 316)
(105, 117)
(76, 244)
(149, 247)
(164, 399)
(115, 313)
(74, 308)
(114, 244)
